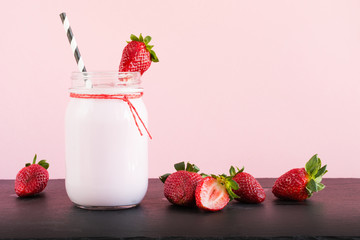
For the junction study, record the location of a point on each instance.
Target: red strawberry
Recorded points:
(213, 193)
(250, 190)
(137, 55)
(32, 179)
(300, 183)
(179, 187)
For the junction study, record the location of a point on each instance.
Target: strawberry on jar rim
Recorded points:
(179, 187)
(137, 55)
(299, 184)
(32, 179)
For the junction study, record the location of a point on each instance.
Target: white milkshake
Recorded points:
(106, 156)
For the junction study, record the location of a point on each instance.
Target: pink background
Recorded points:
(265, 84)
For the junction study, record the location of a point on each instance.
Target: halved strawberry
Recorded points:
(213, 193)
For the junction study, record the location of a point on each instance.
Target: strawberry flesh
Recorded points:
(211, 195)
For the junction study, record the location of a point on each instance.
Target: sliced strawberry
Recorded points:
(213, 193)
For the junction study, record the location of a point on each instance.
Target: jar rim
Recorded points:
(106, 80)
(105, 74)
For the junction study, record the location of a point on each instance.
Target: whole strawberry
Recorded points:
(300, 183)
(137, 55)
(179, 187)
(213, 193)
(250, 190)
(32, 179)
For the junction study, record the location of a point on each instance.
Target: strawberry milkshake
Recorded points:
(106, 133)
(106, 144)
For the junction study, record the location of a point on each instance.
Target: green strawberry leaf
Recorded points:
(230, 186)
(232, 195)
(195, 168)
(214, 176)
(318, 179)
(311, 187)
(147, 39)
(134, 38)
(321, 172)
(164, 177)
(192, 168)
(34, 160)
(149, 47)
(240, 170)
(320, 186)
(44, 164)
(312, 166)
(234, 185)
(153, 56)
(232, 171)
(141, 39)
(204, 175)
(179, 166)
(188, 167)
(316, 173)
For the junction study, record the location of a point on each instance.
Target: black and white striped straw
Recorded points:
(74, 47)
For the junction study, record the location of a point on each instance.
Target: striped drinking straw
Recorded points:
(74, 47)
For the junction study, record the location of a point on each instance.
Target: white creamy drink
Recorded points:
(106, 155)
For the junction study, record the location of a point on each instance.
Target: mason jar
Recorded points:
(106, 139)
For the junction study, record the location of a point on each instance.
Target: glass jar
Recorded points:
(106, 141)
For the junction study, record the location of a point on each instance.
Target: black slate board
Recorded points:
(333, 213)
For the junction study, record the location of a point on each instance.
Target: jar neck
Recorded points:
(106, 83)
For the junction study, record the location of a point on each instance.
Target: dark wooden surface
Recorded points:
(333, 213)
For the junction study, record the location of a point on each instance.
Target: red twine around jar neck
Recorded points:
(123, 97)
